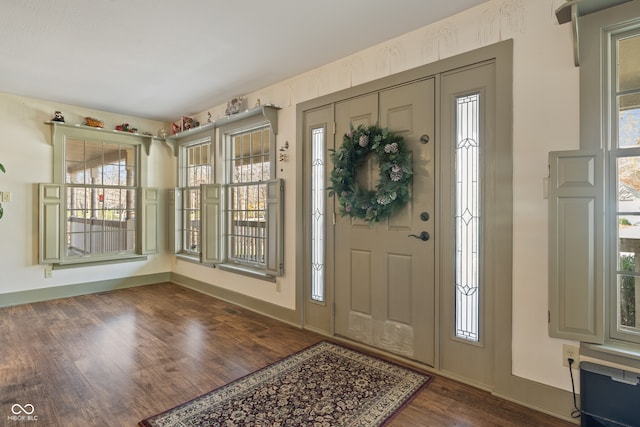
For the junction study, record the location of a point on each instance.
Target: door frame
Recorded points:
(502, 54)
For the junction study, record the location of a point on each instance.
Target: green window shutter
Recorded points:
(174, 220)
(49, 220)
(150, 209)
(275, 227)
(576, 245)
(211, 223)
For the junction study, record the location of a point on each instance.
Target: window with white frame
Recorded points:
(196, 170)
(250, 168)
(228, 208)
(594, 192)
(624, 185)
(100, 188)
(96, 209)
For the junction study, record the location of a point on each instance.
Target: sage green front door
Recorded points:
(384, 275)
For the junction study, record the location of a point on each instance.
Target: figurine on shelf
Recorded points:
(175, 128)
(234, 106)
(58, 117)
(187, 123)
(126, 128)
(90, 121)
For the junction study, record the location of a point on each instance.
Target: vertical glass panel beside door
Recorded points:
(467, 217)
(317, 213)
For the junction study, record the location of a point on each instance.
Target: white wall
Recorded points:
(26, 152)
(545, 118)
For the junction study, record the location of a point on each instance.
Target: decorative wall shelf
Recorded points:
(269, 112)
(571, 10)
(145, 139)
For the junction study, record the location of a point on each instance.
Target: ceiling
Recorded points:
(160, 59)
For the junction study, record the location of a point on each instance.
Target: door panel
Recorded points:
(318, 274)
(469, 358)
(384, 279)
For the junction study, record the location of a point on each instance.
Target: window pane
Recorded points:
(247, 225)
(250, 157)
(197, 170)
(249, 167)
(75, 170)
(191, 216)
(317, 213)
(628, 293)
(627, 186)
(467, 217)
(629, 120)
(101, 201)
(629, 63)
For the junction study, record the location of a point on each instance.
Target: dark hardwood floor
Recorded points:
(115, 358)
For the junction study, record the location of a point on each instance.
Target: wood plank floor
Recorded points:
(115, 358)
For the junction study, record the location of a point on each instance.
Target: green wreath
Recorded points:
(394, 162)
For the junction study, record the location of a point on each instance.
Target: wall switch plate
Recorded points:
(48, 271)
(6, 197)
(570, 352)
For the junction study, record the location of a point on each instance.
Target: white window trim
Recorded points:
(52, 211)
(214, 221)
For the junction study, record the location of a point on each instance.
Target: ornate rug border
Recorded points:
(280, 365)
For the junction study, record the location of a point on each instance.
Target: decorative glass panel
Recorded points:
(317, 213)
(467, 170)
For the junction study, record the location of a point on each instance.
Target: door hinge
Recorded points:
(334, 128)
(549, 316)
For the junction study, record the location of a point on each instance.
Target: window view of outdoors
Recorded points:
(197, 171)
(101, 198)
(250, 168)
(628, 182)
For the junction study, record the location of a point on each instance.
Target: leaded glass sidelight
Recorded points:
(467, 217)
(318, 213)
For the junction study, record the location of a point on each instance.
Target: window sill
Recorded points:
(195, 259)
(231, 268)
(247, 271)
(612, 353)
(92, 261)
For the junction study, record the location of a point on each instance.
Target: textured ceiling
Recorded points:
(160, 59)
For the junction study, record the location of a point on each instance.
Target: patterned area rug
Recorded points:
(323, 385)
